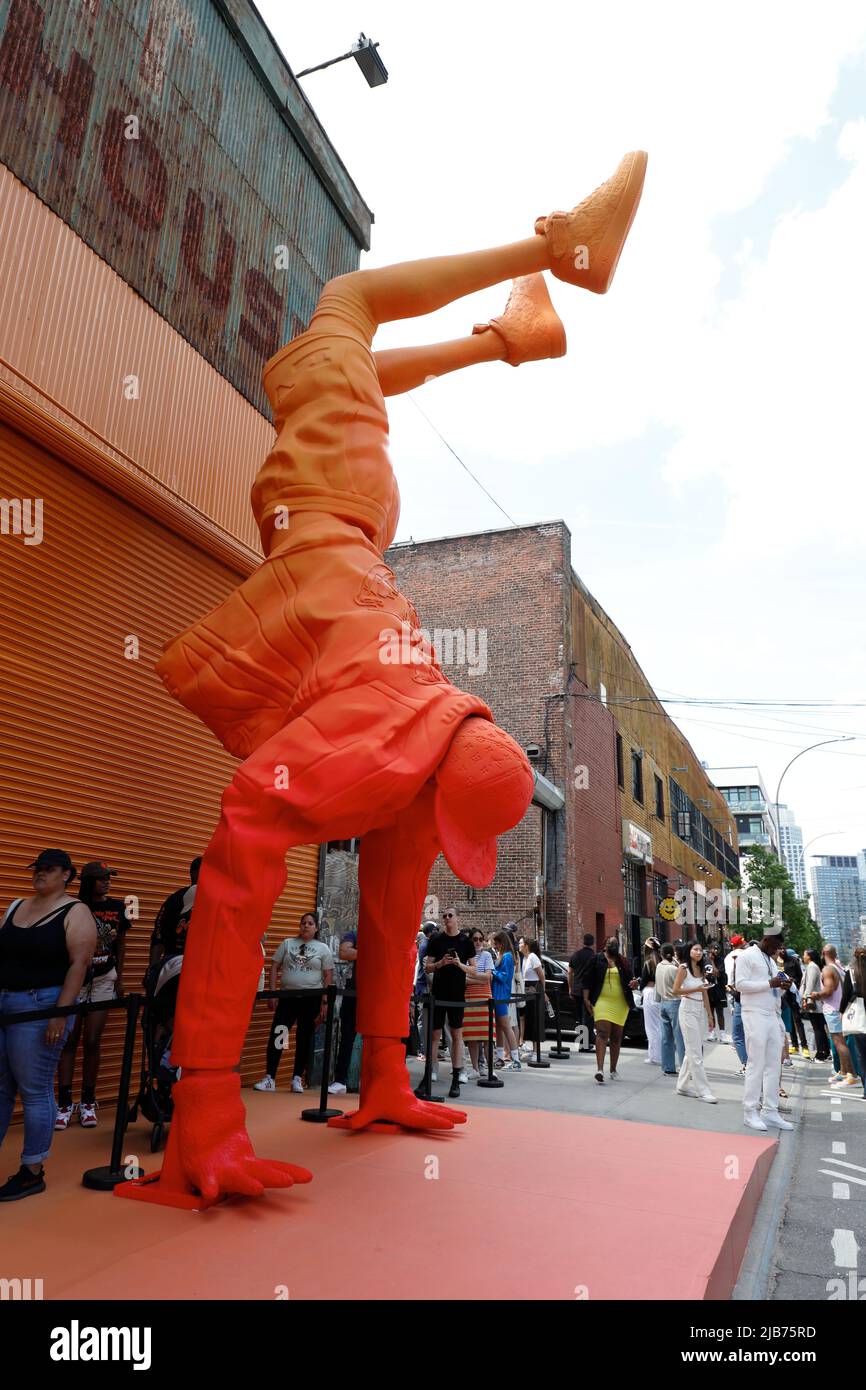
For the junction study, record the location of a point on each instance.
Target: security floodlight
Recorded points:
(368, 60)
(365, 55)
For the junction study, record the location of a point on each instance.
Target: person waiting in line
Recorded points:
(533, 982)
(168, 937)
(518, 1008)
(718, 994)
(790, 1044)
(47, 942)
(104, 980)
(305, 964)
(692, 988)
(854, 1019)
(793, 968)
(830, 997)
(348, 1013)
(476, 1023)
(577, 965)
(608, 996)
(811, 1007)
(738, 1036)
(651, 1017)
(446, 951)
(672, 1047)
(421, 989)
(503, 986)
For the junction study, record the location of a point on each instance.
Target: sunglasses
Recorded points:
(448, 914)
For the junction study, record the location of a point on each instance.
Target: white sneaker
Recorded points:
(336, 1088)
(64, 1115)
(688, 1091)
(772, 1117)
(513, 1066)
(463, 1078)
(845, 1081)
(87, 1114)
(708, 1099)
(434, 1075)
(753, 1120)
(471, 1075)
(527, 1047)
(267, 1083)
(297, 1086)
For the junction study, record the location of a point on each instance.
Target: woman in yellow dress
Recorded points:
(608, 997)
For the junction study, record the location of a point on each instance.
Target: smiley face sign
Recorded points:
(668, 909)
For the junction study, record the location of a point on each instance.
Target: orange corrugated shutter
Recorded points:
(95, 757)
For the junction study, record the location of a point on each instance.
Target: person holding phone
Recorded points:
(692, 987)
(446, 951)
(760, 986)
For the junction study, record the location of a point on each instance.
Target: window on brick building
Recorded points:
(637, 775)
(620, 775)
(660, 799)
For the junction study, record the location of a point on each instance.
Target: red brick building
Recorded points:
(512, 622)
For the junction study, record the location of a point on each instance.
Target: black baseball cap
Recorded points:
(53, 859)
(97, 868)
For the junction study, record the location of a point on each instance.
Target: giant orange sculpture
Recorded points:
(336, 742)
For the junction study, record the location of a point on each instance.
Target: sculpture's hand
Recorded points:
(386, 1093)
(208, 1140)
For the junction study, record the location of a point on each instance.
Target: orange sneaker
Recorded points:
(530, 326)
(585, 244)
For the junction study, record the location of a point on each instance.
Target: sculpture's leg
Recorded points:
(394, 868)
(402, 369)
(242, 874)
(528, 331)
(412, 288)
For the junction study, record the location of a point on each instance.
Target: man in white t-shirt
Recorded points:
(760, 986)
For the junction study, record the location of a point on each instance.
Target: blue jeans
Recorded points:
(738, 1036)
(27, 1068)
(673, 1047)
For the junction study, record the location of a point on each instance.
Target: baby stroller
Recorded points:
(157, 1022)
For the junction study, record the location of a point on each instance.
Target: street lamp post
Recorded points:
(846, 738)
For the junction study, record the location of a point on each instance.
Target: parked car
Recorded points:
(556, 972)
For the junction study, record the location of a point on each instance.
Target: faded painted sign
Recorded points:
(144, 125)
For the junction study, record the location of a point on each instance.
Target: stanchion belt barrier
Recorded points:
(104, 1179)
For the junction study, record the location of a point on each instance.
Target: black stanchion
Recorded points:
(538, 1060)
(559, 1051)
(423, 1091)
(491, 1081)
(322, 1114)
(106, 1179)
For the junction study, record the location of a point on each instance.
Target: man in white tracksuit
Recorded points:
(760, 988)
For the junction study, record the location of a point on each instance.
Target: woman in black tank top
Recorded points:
(46, 944)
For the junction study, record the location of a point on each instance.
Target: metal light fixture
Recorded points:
(365, 55)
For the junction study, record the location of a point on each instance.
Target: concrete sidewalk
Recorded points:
(643, 1095)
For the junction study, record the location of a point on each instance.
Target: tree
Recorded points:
(765, 873)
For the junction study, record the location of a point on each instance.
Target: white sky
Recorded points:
(703, 438)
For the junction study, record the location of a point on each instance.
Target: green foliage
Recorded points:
(765, 871)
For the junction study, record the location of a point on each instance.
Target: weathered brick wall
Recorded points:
(510, 586)
(595, 849)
